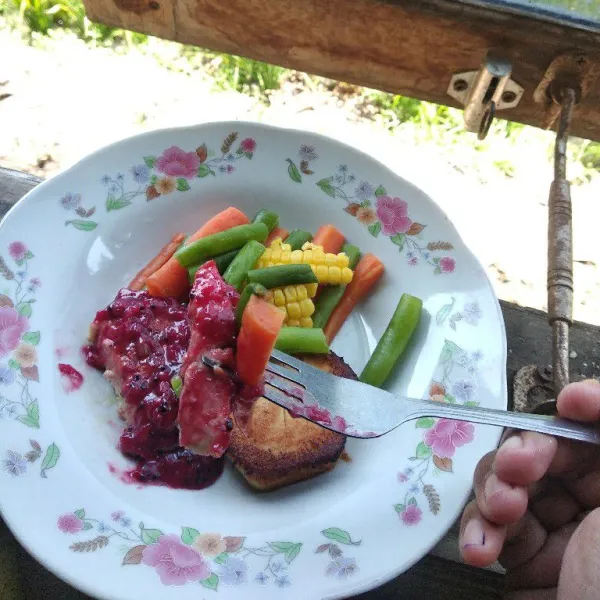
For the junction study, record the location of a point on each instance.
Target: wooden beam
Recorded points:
(399, 46)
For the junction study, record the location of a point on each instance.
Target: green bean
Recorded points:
(246, 258)
(222, 261)
(301, 340)
(252, 289)
(176, 384)
(298, 238)
(230, 239)
(394, 341)
(268, 217)
(332, 294)
(282, 275)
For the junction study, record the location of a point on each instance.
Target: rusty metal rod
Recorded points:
(560, 246)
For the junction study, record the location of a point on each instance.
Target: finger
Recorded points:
(524, 458)
(555, 507)
(523, 541)
(480, 541)
(539, 594)
(499, 502)
(544, 568)
(586, 489)
(580, 401)
(579, 570)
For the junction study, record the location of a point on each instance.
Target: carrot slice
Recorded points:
(330, 237)
(226, 219)
(172, 279)
(278, 232)
(367, 273)
(139, 281)
(261, 323)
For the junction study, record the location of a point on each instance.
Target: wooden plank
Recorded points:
(400, 46)
(13, 186)
(529, 342)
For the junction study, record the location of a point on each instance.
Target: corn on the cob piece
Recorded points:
(296, 302)
(329, 268)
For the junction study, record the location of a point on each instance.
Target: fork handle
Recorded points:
(557, 426)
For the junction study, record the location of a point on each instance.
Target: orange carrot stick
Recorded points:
(172, 279)
(367, 273)
(261, 323)
(226, 219)
(331, 238)
(139, 281)
(278, 232)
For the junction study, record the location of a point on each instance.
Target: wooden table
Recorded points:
(433, 577)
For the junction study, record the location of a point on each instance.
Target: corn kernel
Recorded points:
(296, 257)
(301, 292)
(335, 275)
(319, 258)
(285, 257)
(307, 308)
(346, 275)
(331, 259)
(311, 246)
(278, 298)
(342, 260)
(293, 310)
(311, 289)
(290, 293)
(307, 257)
(321, 273)
(276, 256)
(306, 322)
(293, 323)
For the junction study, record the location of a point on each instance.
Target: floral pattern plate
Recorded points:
(69, 245)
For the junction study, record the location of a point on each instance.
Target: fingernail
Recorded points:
(473, 535)
(591, 382)
(492, 486)
(513, 443)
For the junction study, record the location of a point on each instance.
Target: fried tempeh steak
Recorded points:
(271, 449)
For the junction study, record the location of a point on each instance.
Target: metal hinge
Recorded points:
(484, 92)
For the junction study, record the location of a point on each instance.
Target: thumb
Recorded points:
(580, 576)
(580, 401)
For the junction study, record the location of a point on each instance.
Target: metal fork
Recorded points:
(359, 410)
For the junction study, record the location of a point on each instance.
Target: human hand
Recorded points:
(537, 509)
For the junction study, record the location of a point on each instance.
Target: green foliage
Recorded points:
(243, 74)
(44, 16)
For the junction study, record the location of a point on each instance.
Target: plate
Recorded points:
(73, 241)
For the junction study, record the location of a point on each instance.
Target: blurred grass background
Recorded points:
(41, 20)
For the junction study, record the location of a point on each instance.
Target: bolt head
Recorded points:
(460, 85)
(508, 97)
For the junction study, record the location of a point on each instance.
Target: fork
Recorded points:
(360, 410)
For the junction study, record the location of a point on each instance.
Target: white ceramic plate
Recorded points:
(72, 242)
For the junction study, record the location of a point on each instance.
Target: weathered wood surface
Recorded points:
(401, 46)
(431, 578)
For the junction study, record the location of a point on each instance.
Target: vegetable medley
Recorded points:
(296, 289)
